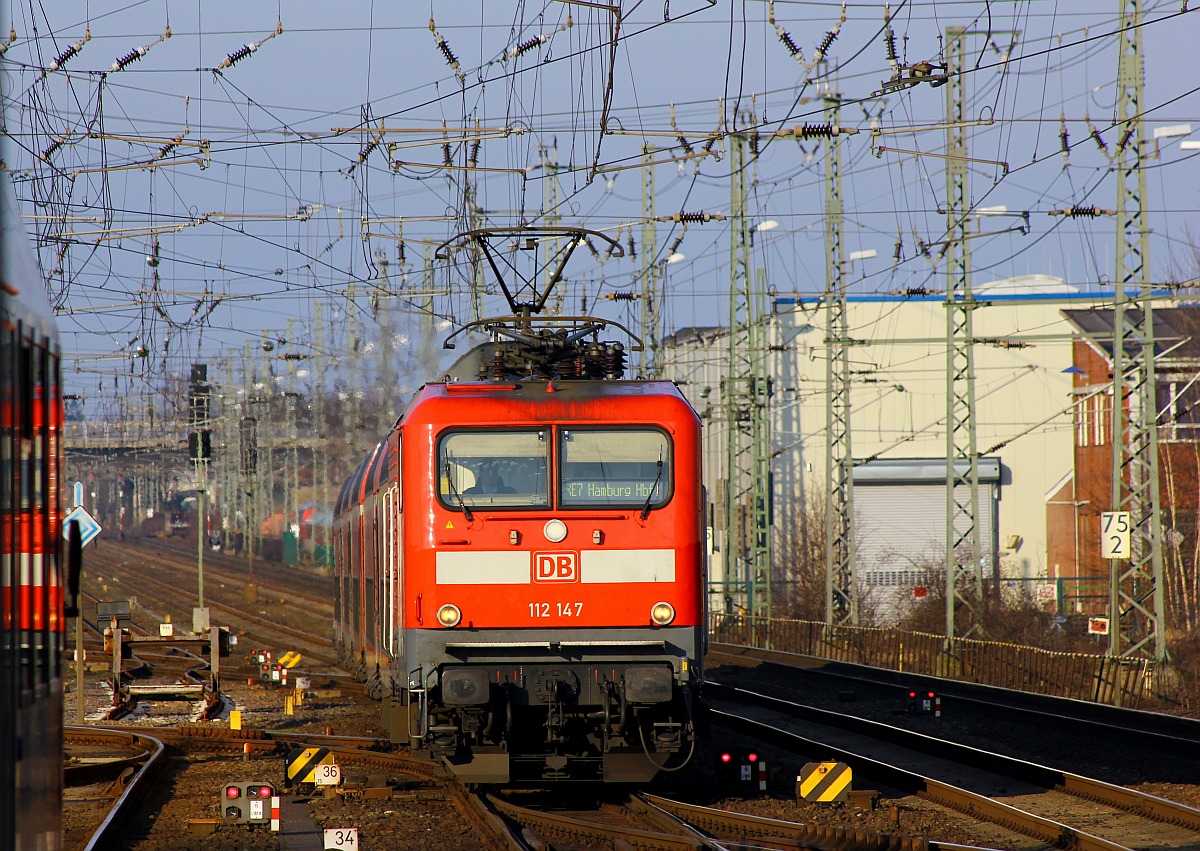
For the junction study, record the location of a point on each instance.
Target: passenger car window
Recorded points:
(619, 467)
(507, 469)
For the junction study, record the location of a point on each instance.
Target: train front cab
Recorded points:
(555, 632)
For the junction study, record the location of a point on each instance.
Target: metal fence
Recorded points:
(1083, 676)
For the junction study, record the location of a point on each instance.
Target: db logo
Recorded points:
(555, 567)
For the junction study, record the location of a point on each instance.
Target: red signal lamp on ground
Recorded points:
(924, 702)
(247, 803)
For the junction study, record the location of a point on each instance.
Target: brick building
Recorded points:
(1074, 504)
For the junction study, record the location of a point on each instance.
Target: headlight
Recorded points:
(449, 615)
(648, 684)
(555, 530)
(465, 686)
(662, 613)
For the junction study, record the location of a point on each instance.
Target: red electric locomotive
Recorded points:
(32, 551)
(520, 564)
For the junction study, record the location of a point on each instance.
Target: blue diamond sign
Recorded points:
(88, 527)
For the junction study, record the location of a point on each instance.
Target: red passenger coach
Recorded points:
(32, 551)
(521, 574)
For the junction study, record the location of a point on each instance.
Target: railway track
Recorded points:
(302, 585)
(1122, 746)
(170, 681)
(632, 823)
(1052, 806)
(109, 774)
(653, 822)
(156, 671)
(124, 754)
(154, 577)
(501, 821)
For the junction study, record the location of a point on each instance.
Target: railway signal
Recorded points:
(742, 768)
(199, 394)
(248, 803)
(924, 702)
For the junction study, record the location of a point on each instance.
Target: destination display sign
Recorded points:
(610, 490)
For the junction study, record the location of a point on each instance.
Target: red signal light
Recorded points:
(725, 757)
(912, 694)
(753, 757)
(266, 792)
(932, 695)
(233, 792)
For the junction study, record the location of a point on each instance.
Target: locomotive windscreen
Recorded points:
(494, 468)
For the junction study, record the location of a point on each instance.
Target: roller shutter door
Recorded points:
(901, 530)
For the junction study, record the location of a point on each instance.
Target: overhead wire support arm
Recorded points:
(880, 149)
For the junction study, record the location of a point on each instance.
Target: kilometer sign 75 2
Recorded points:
(1114, 534)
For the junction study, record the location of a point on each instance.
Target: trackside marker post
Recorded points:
(275, 814)
(337, 838)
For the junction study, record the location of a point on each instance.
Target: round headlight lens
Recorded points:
(662, 613)
(554, 530)
(449, 615)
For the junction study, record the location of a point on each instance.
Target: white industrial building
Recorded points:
(898, 400)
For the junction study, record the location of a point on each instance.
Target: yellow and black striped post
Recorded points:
(824, 782)
(301, 763)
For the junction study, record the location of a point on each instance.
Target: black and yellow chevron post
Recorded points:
(301, 763)
(825, 782)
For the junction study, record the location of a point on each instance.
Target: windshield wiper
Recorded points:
(454, 492)
(657, 479)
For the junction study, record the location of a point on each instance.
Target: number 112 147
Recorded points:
(550, 610)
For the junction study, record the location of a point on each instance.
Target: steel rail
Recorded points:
(87, 773)
(553, 825)
(492, 832)
(136, 791)
(308, 638)
(749, 827)
(642, 804)
(1119, 797)
(1046, 830)
(486, 821)
(1174, 732)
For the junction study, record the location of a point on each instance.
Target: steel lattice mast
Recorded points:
(964, 570)
(1136, 600)
(651, 271)
(747, 395)
(841, 595)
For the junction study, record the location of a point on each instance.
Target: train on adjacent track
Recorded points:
(38, 568)
(520, 565)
